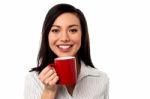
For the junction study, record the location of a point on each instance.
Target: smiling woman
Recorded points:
(65, 34)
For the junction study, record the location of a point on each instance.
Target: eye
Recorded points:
(73, 30)
(55, 30)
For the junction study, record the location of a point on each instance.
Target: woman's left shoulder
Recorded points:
(101, 75)
(96, 78)
(93, 73)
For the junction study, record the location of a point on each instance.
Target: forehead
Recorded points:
(67, 19)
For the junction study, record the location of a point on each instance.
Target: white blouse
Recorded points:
(91, 84)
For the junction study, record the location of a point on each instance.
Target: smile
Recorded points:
(64, 47)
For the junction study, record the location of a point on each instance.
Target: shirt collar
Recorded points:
(87, 71)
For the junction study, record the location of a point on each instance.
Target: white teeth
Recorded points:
(64, 47)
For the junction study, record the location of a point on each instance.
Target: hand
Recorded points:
(49, 78)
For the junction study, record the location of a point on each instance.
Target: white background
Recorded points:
(119, 34)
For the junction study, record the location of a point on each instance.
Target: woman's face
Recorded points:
(65, 35)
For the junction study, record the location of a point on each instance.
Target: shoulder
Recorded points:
(98, 79)
(99, 75)
(33, 79)
(33, 86)
(32, 75)
(93, 79)
(93, 75)
(92, 72)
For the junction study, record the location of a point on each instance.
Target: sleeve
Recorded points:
(31, 89)
(106, 93)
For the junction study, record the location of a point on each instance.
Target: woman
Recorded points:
(65, 33)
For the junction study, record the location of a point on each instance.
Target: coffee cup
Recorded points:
(66, 70)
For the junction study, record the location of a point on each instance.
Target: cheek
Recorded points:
(50, 41)
(78, 41)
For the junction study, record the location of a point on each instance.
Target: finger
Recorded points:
(48, 74)
(50, 78)
(44, 71)
(54, 69)
(54, 81)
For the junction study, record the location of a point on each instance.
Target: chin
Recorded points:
(65, 55)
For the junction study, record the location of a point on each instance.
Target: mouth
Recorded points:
(65, 48)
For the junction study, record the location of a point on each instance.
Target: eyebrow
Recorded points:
(69, 25)
(73, 25)
(56, 26)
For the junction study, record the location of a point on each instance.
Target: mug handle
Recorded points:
(51, 65)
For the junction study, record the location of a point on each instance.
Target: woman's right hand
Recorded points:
(49, 78)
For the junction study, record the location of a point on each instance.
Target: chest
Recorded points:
(83, 90)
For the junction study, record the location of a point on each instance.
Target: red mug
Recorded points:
(66, 70)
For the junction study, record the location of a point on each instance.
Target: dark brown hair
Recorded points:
(46, 55)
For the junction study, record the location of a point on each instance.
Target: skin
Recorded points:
(64, 40)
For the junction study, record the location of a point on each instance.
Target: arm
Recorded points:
(32, 89)
(48, 94)
(49, 78)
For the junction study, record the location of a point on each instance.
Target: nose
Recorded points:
(64, 37)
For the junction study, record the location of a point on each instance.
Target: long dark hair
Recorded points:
(46, 55)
